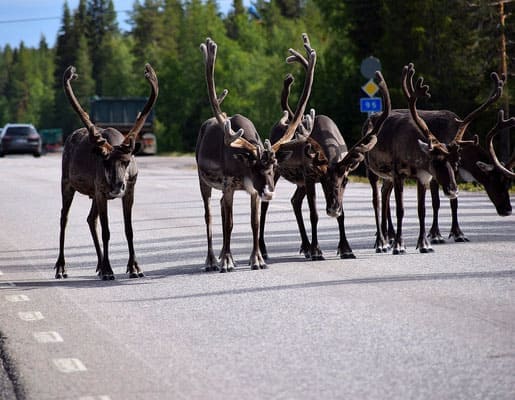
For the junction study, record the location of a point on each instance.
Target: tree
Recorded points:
(101, 26)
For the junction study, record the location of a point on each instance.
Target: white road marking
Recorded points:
(30, 315)
(14, 298)
(47, 337)
(1, 273)
(68, 365)
(101, 397)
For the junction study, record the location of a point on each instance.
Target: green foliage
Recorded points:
(453, 43)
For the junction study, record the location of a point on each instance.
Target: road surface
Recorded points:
(418, 326)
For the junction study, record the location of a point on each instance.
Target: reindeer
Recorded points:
(475, 164)
(407, 148)
(323, 158)
(99, 163)
(229, 161)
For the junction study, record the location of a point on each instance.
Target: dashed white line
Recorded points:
(30, 315)
(47, 337)
(69, 365)
(14, 298)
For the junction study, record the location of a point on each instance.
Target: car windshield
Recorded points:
(19, 131)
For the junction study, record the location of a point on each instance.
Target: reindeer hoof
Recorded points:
(133, 275)
(317, 257)
(426, 250)
(212, 268)
(141, 274)
(255, 267)
(108, 277)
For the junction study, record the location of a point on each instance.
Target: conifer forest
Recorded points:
(454, 44)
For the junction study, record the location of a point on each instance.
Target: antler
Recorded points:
(413, 93)
(369, 140)
(94, 135)
(231, 138)
(499, 126)
(287, 83)
(151, 77)
(496, 93)
(309, 66)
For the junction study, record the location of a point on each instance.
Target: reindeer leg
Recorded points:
(92, 223)
(133, 268)
(210, 264)
(380, 244)
(386, 221)
(67, 198)
(316, 253)
(434, 232)
(256, 259)
(456, 232)
(262, 221)
(227, 263)
(296, 202)
(422, 244)
(344, 250)
(398, 244)
(106, 272)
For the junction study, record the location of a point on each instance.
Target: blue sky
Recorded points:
(27, 20)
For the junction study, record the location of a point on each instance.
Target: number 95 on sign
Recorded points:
(370, 104)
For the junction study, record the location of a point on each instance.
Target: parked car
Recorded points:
(19, 139)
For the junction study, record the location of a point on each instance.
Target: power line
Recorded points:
(36, 19)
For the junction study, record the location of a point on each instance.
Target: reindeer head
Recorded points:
(443, 158)
(335, 179)
(113, 149)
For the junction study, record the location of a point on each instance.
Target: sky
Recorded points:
(27, 20)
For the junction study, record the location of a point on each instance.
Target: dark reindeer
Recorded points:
(407, 148)
(99, 163)
(230, 160)
(322, 158)
(475, 164)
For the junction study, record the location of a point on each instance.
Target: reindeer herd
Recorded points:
(304, 149)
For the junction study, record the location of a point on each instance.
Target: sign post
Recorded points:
(370, 104)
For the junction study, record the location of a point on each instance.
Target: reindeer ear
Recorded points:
(246, 158)
(485, 167)
(424, 146)
(283, 155)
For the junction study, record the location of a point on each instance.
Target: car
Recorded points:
(20, 139)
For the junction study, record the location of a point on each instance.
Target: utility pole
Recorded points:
(504, 152)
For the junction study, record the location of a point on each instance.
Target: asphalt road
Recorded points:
(418, 326)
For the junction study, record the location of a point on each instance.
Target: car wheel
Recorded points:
(37, 154)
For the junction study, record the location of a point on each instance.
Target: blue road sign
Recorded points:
(370, 104)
